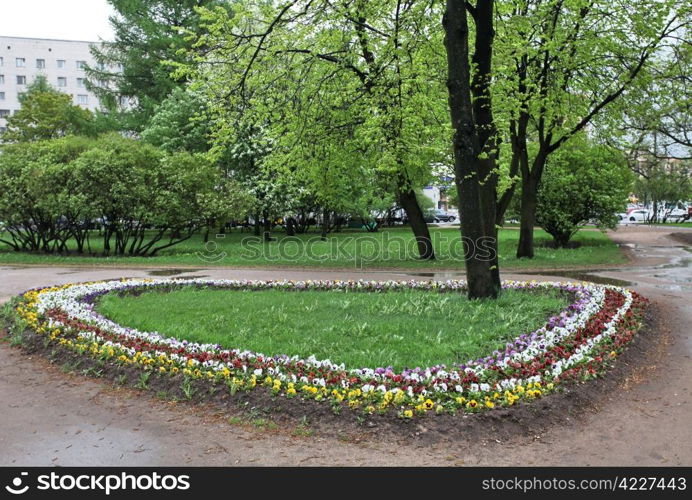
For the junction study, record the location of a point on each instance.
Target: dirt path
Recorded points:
(50, 418)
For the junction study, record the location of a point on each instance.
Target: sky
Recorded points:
(62, 19)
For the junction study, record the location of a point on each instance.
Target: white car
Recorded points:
(675, 215)
(638, 215)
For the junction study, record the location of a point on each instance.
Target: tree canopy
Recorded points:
(46, 113)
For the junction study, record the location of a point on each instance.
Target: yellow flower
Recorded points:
(428, 404)
(490, 404)
(472, 404)
(408, 414)
(291, 391)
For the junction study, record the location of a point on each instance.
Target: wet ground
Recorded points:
(53, 418)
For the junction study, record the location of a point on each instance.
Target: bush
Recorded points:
(582, 183)
(143, 199)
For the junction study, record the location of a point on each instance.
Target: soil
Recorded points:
(637, 415)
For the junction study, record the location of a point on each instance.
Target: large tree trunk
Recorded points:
(477, 213)
(529, 201)
(530, 182)
(408, 201)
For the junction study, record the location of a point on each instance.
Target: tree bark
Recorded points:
(476, 211)
(290, 226)
(529, 202)
(267, 232)
(325, 225)
(409, 202)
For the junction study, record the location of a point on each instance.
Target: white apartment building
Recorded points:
(60, 61)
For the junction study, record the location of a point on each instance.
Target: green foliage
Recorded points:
(143, 199)
(583, 183)
(662, 181)
(46, 114)
(147, 33)
(402, 328)
(350, 125)
(178, 124)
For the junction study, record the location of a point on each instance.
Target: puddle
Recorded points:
(585, 276)
(575, 275)
(676, 263)
(169, 272)
(439, 275)
(672, 288)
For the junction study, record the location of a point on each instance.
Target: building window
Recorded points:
(2, 79)
(2, 61)
(3, 130)
(80, 82)
(21, 62)
(2, 96)
(4, 113)
(82, 99)
(61, 63)
(62, 81)
(40, 63)
(81, 64)
(21, 80)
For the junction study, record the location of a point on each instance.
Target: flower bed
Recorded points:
(579, 342)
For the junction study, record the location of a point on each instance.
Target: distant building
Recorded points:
(62, 62)
(439, 190)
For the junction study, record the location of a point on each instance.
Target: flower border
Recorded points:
(577, 343)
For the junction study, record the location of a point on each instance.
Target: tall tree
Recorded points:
(133, 67)
(565, 72)
(655, 118)
(584, 183)
(267, 59)
(475, 146)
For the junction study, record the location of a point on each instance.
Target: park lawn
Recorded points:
(361, 329)
(389, 248)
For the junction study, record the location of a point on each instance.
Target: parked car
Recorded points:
(442, 216)
(677, 215)
(639, 215)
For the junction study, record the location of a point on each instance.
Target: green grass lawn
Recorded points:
(388, 248)
(398, 328)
